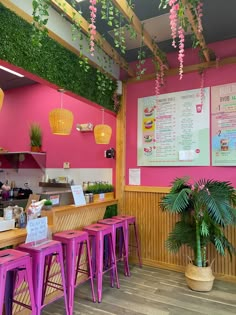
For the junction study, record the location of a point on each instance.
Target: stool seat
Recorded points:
(44, 257)
(73, 242)
(97, 233)
(19, 264)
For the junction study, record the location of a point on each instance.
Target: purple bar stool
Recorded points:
(19, 263)
(119, 225)
(131, 221)
(42, 258)
(73, 242)
(97, 233)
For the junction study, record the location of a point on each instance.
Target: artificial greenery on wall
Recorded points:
(52, 61)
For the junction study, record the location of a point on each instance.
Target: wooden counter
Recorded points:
(76, 217)
(61, 218)
(12, 237)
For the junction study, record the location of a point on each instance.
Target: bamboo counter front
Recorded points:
(76, 217)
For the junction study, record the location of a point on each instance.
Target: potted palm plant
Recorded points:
(205, 207)
(35, 134)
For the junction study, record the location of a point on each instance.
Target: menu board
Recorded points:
(174, 131)
(223, 99)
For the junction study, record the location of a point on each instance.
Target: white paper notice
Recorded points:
(134, 176)
(187, 155)
(78, 195)
(37, 229)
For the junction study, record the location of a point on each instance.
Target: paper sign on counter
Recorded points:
(78, 195)
(37, 229)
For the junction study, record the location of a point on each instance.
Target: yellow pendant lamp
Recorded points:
(61, 120)
(102, 133)
(1, 98)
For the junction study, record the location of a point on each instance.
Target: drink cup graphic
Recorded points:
(199, 108)
(224, 144)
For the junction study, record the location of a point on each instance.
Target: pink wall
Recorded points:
(33, 104)
(162, 176)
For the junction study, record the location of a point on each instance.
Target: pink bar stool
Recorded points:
(131, 221)
(73, 242)
(42, 258)
(19, 263)
(97, 232)
(119, 226)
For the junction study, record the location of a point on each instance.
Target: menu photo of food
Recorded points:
(148, 138)
(148, 111)
(147, 151)
(148, 124)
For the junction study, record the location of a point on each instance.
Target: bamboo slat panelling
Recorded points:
(76, 217)
(154, 226)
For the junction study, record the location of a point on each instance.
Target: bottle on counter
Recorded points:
(22, 220)
(90, 197)
(87, 198)
(11, 194)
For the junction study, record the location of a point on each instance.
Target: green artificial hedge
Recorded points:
(52, 61)
(110, 211)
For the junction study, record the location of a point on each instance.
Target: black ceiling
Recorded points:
(10, 81)
(218, 21)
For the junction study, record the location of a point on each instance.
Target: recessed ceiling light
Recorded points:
(11, 71)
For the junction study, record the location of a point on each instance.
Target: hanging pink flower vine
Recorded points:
(159, 81)
(199, 16)
(181, 51)
(179, 23)
(92, 26)
(173, 20)
(157, 86)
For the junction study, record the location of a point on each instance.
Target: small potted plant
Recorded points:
(205, 208)
(35, 134)
(47, 204)
(101, 191)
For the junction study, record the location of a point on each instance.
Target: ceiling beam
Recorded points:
(199, 35)
(131, 17)
(188, 69)
(74, 16)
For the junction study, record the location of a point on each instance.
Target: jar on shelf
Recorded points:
(87, 198)
(90, 197)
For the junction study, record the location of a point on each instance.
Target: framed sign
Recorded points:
(174, 131)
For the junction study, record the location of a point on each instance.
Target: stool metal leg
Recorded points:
(70, 275)
(113, 263)
(90, 270)
(138, 245)
(99, 267)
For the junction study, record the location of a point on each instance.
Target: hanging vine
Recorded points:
(40, 19)
(180, 24)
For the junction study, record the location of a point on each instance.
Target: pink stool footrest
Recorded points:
(44, 258)
(131, 221)
(73, 242)
(97, 233)
(119, 226)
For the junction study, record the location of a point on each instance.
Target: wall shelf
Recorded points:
(54, 185)
(25, 159)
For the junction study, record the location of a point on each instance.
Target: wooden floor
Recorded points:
(154, 292)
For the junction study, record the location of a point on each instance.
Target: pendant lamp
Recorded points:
(61, 120)
(102, 133)
(1, 98)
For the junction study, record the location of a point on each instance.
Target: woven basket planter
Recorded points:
(199, 278)
(107, 196)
